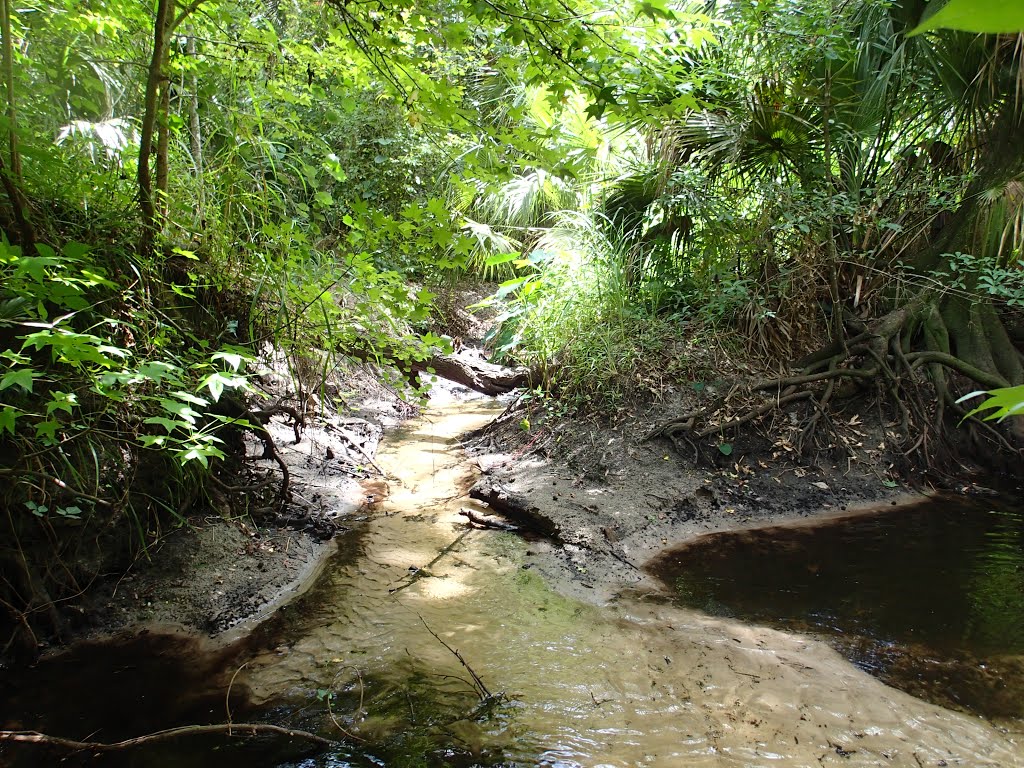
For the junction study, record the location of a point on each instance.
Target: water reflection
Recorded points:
(930, 597)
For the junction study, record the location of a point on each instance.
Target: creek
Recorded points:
(427, 644)
(929, 597)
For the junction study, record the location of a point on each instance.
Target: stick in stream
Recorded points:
(226, 729)
(354, 442)
(423, 572)
(484, 522)
(481, 689)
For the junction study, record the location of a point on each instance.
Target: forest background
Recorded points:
(190, 186)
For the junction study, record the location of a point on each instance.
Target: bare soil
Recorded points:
(608, 499)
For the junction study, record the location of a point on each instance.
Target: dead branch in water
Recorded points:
(485, 522)
(225, 729)
(424, 572)
(481, 689)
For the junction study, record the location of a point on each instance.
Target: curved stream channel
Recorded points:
(375, 650)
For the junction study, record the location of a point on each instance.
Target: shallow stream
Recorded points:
(929, 597)
(425, 643)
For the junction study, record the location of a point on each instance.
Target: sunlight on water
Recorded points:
(625, 685)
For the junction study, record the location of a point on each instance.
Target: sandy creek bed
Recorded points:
(632, 682)
(626, 684)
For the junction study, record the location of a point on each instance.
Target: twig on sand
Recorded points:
(423, 572)
(485, 522)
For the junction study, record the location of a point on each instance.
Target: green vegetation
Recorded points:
(187, 186)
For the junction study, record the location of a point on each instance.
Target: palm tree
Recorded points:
(886, 159)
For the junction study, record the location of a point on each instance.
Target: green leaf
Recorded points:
(20, 377)
(189, 398)
(182, 411)
(1007, 401)
(233, 359)
(73, 512)
(983, 16)
(47, 429)
(725, 449)
(157, 371)
(7, 418)
(500, 258)
(61, 401)
(509, 286)
(215, 382)
(169, 424)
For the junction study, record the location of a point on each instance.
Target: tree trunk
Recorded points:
(12, 110)
(195, 129)
(162, 144)
(147, 205)
(11, 177)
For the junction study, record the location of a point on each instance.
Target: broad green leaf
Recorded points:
(233, 359)
(989, 16)
(190, 398)
(215, 383)
(75, 251)
(19, 377)
(61, 401)
(501, 258)
(179, 409)
(47, 429)
(1008, 401)
(169, 424)
(157, 371)
(7, 418)
(510, 286)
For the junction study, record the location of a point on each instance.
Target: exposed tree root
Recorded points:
(256, 419)
(912, 360)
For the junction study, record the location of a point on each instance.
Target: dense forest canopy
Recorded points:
(189, 185)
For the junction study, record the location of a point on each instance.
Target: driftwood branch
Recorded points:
(425, 570)
(480, 376)
(485, 522)
(226, 729)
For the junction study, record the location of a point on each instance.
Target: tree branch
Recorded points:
(227, 729)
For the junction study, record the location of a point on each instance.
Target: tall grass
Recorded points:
(575, 311)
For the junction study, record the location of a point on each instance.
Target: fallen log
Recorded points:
(462, 368)
(486, 522)
(515, 507)
(478, 375)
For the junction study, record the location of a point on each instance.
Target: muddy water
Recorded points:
(628, 684)
(368, 656)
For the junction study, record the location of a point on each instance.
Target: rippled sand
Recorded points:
(627, 684)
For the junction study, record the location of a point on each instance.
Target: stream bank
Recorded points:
(367, 657)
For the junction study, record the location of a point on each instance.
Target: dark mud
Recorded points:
(616, 499)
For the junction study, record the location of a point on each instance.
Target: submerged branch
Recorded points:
(226, 729)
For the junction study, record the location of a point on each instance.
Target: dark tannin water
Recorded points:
(929, 597)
